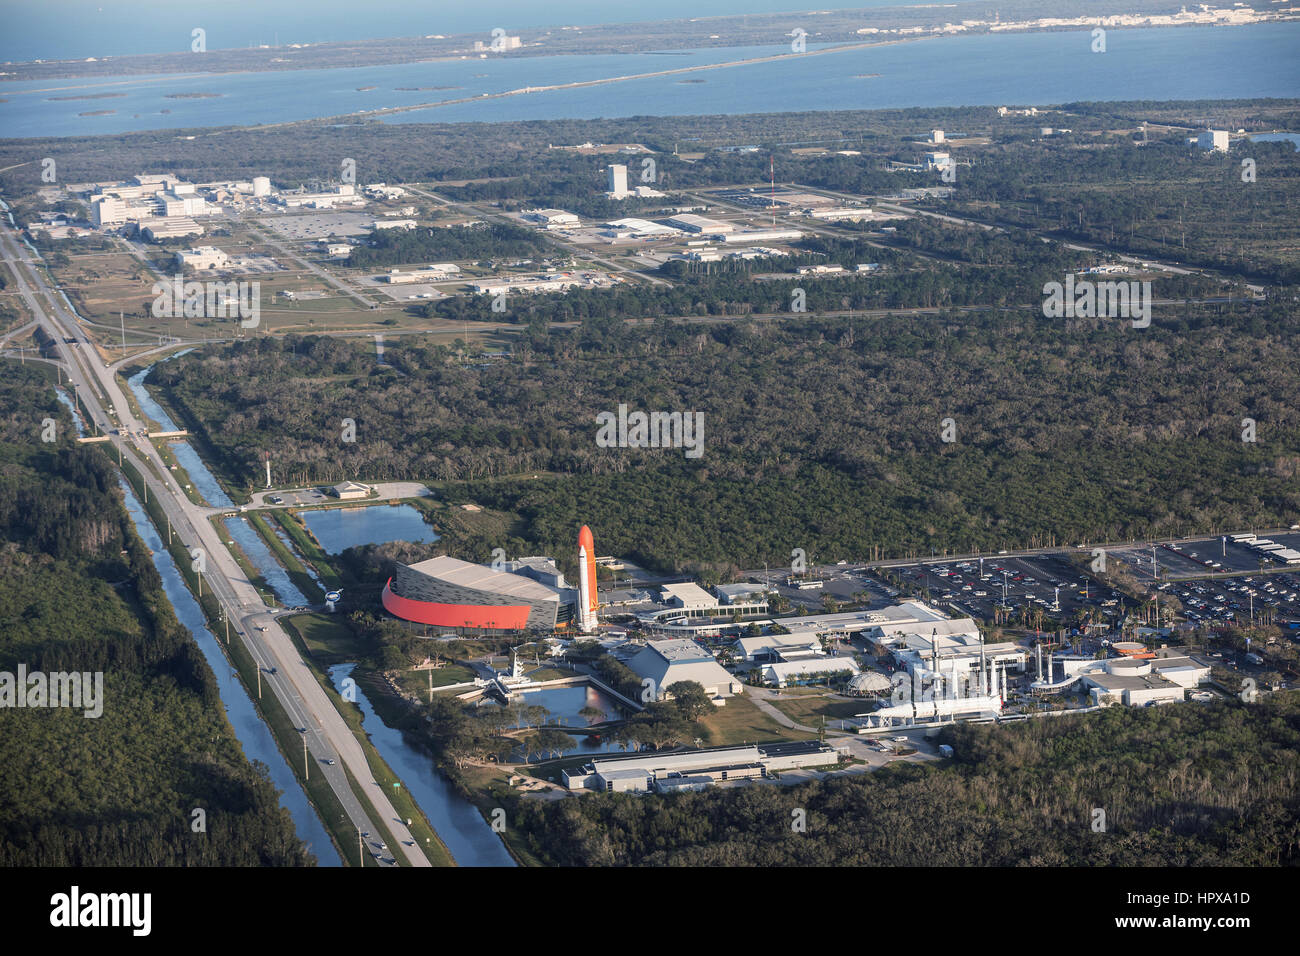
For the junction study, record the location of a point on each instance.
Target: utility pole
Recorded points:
(259, 681)
(306, 765)
(361, 848)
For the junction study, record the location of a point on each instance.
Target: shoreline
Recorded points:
(68, 68)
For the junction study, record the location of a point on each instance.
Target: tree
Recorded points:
(691, 699)
(593, 715)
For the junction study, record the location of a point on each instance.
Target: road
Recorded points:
(284, 671)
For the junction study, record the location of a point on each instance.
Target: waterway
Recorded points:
(252, 732)
(457, 822)
(257, 552)
(338, 529)
(1160, 63)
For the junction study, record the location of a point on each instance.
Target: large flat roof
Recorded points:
(481, 578)
(680, 651)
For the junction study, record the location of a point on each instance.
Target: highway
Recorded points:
(284, 673)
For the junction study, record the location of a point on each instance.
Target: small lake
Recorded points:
(253, 734)
(457, 822)
(1292, 138)
(564, 704)
(338, 529)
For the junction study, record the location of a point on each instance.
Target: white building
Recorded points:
(668, 662)
(936, 136)
(695, 769)
(407, 224)
(1213, 140)
(700, 224)
(261, 186)
(937, 160)
(617, 182)
(108, 211)
(338, 250)
(551, 218)
(761, 235)
(202, 257)
(784, 673)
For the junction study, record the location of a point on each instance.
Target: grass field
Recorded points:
(810, 710)
(740, 721)
(327, 639)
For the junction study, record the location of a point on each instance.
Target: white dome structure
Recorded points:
(868, 682)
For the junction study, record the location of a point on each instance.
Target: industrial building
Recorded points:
(668, 662)
(617, 181)
(202, 257)
(407, 224)
(1213, 140)
(160, 229)
(695, 769)
(345, 195)
(633, 228)
(700, 224)
(434, 272)
(760, 235)
(551, 218)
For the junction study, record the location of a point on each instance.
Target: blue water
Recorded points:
(80, 28)
(564, 704)
(457, 822)
(1292, 138)
(200, 477)
(146, 401)
(248, 726)
(338, 529)
(66, 401)
(251, 543)
(1036, 68)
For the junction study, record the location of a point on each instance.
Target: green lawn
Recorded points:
(740, 721)
(327, 638)
(810, 710)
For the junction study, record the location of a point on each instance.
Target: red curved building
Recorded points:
(448, 592)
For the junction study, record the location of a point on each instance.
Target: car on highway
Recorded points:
(329, 761)
(900, 740)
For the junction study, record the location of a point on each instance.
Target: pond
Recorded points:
(564, 704)
(338, 529)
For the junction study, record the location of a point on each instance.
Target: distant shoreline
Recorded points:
(659, 38)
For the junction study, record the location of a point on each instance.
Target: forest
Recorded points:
(79, 592)
(1176, 786)
(822, 433)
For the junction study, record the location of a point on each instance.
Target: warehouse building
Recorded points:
(700, 224)
(551, 218)
(202, 257)
(668, 662)
(695, 769)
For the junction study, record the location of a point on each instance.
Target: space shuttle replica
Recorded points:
(587, 601)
